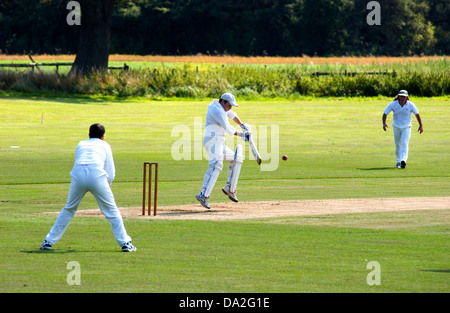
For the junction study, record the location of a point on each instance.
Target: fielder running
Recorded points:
(402, 108)
(93, 171)
(216, 126)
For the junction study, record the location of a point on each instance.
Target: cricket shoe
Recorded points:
(46, 245)
(397, 165)
(203, 201)
(231, 195)
(402, 164)
(128, 247)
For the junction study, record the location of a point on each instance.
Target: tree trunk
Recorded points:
(95, 36)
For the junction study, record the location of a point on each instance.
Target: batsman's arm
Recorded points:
(245, 127)
(237, 120)
(245, 135)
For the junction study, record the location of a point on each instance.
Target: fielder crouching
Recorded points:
(93, 171)
(216, 126)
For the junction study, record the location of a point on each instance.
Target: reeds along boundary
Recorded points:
(244, 81)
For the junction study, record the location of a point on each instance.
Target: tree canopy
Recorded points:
(236, 27)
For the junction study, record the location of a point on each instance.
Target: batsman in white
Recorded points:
(216, 126)
(93, 171)
(402, 108)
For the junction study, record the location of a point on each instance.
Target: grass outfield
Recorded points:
(336, 147)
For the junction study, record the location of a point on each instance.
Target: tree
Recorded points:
(95, 36)
(439, 15)
(36, 27)
(403, 30)
(250, 27)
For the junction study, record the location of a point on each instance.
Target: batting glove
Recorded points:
(245, 135)
(245, 127)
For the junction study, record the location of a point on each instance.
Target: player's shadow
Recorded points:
(181, 213)
(52, 251)
(378, 169)
(437, 271)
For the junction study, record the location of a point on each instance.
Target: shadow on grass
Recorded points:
(183, 213)
(60, 98)
(53, 251)
(437, 271)
(62, 251)
(378, 169)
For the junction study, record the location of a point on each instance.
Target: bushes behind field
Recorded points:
(244, 81)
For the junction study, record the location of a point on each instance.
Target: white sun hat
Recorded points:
(230, 98)
(403, 93)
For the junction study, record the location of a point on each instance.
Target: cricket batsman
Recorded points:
(216, 126)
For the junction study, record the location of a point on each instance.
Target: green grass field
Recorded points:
(336, 147)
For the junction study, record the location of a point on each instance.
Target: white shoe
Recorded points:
(46, 245)
(231, 195)
(128, 247)
(203, 201)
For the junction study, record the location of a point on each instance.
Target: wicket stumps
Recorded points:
(149, 165)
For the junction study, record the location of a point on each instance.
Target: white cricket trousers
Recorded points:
(218, 152)
(401, 138)
(89, 178)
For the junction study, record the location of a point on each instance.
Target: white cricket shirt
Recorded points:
(96, 152)
(216, 123)
(402, 116)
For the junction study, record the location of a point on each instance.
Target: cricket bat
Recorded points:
(255, 152)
